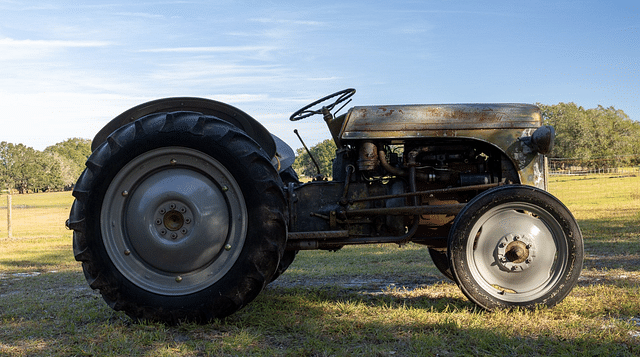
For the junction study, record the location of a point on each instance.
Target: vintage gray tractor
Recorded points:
(189, 207)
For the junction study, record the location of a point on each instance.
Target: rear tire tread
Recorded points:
(204, 131)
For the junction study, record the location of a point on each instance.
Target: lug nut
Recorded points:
(127, 252)
(178, 279)
(173, 161)
(227, 247)
(125, 193)
(225, 188)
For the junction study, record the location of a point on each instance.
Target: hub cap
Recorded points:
(518, 253)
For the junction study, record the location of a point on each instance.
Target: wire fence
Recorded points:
(616, 165)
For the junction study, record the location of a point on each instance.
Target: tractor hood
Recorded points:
(435, 120)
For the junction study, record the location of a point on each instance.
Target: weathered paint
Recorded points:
(418, 121)
(501, 125)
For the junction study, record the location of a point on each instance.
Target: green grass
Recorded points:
(363, 300)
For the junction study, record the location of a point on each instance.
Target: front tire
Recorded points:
(441, 261)
(515, 246)
(178, 216)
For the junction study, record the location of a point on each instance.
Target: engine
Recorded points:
(397, 192)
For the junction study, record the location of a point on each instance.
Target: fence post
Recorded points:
(9, 235)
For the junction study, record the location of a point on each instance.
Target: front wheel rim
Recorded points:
(517, 252)
(173, 221)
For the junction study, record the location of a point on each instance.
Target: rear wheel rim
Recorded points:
(173, 221)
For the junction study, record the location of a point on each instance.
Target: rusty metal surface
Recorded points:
(318, 235)
(452, 209)
(435, 120)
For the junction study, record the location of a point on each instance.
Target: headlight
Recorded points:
(543, 138)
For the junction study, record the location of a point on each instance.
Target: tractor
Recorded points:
(189, 207)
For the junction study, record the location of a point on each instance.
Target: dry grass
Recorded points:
(369, 300)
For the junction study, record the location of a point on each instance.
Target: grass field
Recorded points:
(367, 300)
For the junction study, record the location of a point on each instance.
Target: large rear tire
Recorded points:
(179, 216)
(515, 246)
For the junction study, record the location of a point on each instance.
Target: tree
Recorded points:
(71, 155)
(593, 136)
(323, 152)
(24, 169)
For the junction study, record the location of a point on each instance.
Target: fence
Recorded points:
(619, 165)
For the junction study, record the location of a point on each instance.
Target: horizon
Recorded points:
(67, 70)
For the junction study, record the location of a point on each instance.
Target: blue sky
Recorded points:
(67, 68)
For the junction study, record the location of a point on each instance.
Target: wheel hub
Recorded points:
(516, 252)
(173, 220)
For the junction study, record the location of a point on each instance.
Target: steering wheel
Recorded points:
(305, 112)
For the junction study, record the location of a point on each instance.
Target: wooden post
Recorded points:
(9, 215)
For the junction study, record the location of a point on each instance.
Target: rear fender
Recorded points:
(223, 111)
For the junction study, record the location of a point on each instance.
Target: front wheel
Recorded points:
(515, 246)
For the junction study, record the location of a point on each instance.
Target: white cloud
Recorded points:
(9, 42)
(11, 49)
(288, 22)
(212, 49)
(141, 14)
(239, 98)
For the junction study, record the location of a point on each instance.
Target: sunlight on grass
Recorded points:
(378, 300)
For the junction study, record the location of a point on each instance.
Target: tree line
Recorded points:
(24, 169)
(596, 138)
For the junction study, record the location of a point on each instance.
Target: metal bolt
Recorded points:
(225, 188)
(125, 193)
(173, 161)
(127, 252)
(528, 261)
(516, 237)
(178, 279)
(227, 247)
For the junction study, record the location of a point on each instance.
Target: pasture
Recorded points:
(380, 300)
